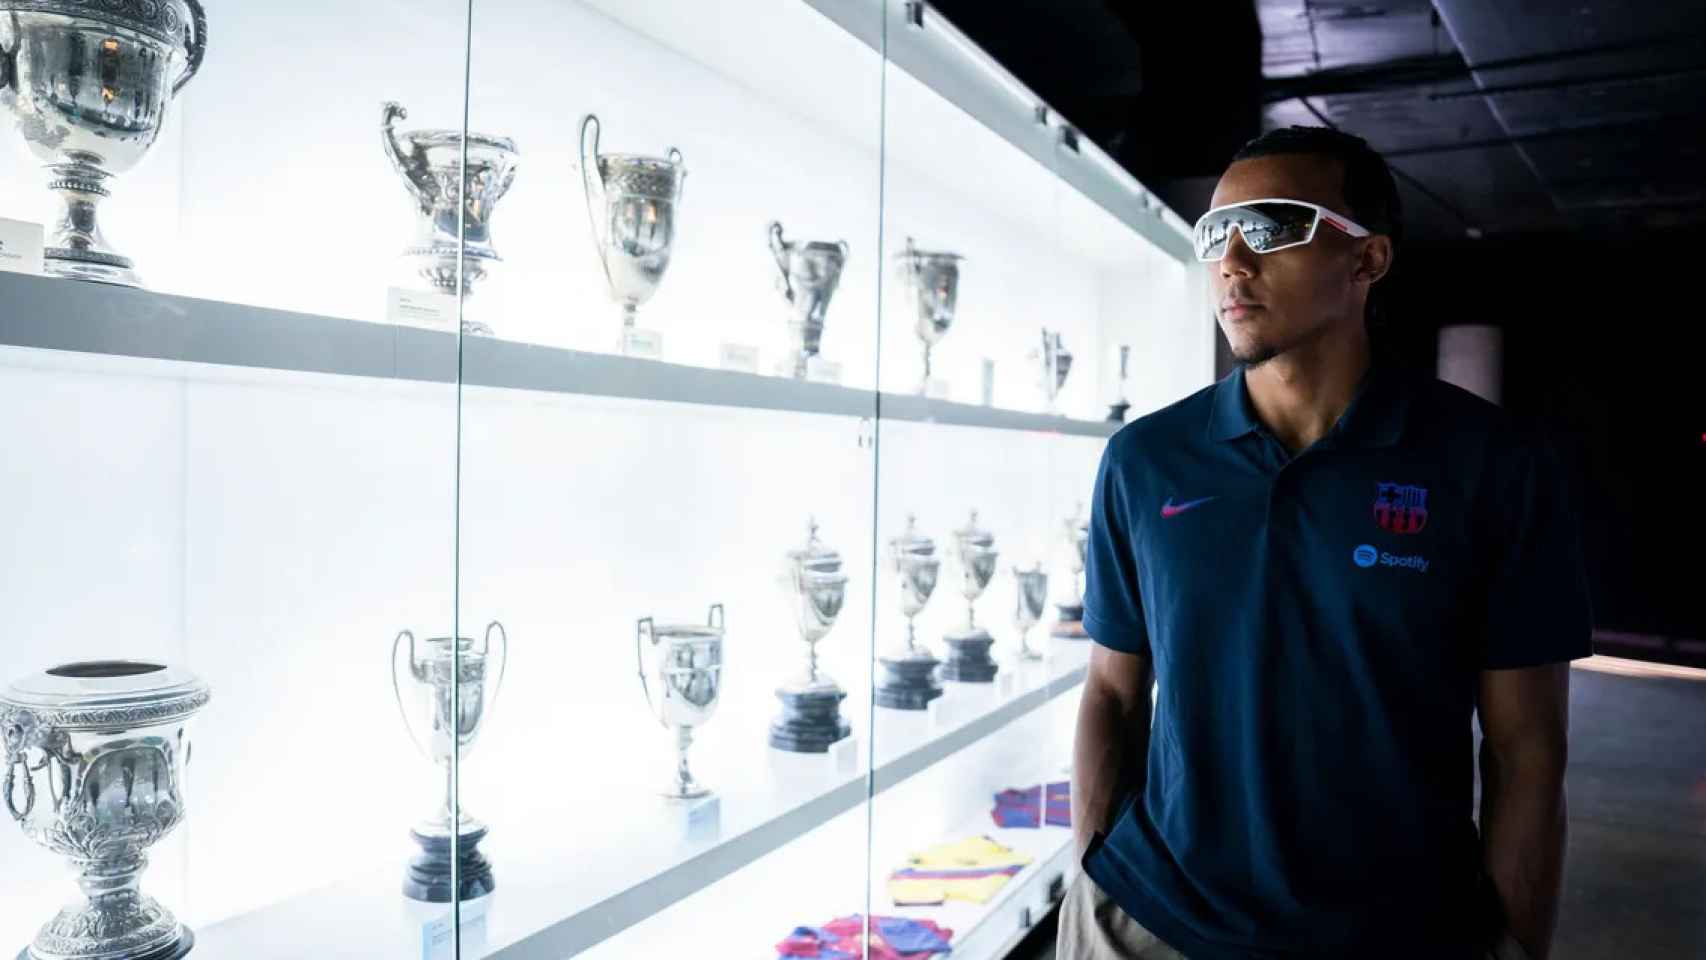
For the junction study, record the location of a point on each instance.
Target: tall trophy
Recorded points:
(428, 161)
(1033, 600)
(810, 273)
(811, 704)
(1071, 610)
(95, 757)
(1117, 409)
(683, 680)
(968, 647)
(90, 85)
(931, 282)
(631, 202)
(1056, 363)
(909, 676)
(445, 690)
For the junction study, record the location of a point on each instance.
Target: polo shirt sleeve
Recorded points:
(1113, 604)
(1538, 611)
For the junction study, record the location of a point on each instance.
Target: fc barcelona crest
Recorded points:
(1401, 509)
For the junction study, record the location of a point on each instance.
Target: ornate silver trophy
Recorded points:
(968, 647)
(811, 704)
(1071, 610)
(633, 222)
(1033, 600)
(810, 274)
(909, 676)
(110, 741)
(445, 690)
(1117, 409)
(1056, 363)
(931, 282)
(683, 681)
(90, 85)
(428, 161)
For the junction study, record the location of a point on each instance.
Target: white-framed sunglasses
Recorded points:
(1267, 225)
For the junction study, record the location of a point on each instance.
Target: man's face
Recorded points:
(1273, 303)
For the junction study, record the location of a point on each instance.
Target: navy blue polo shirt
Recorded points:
(1317, 625)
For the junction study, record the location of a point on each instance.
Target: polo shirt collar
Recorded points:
(1375, 417)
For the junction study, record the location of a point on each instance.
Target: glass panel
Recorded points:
(645, 451)
(242, 472)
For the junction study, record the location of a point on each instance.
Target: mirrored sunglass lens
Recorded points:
(1264, 226)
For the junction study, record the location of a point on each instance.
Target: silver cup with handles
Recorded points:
(681, 674)
(631, 203)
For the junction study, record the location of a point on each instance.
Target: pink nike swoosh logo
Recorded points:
(1171, 509)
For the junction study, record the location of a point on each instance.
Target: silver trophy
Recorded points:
(975, 557)
(909, 676)
(445, 690)
(683, 681)
(95, 756)
(1033, 600)
(931, 285)
(428, 161)
(1117, 409)
(1055, 362)
(1071, 610)
(633, 220)
(811, 704)
(810, 274)
(89, 85)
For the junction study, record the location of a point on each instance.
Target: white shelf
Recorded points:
(53, 314)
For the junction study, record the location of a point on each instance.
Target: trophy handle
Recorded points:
(16, 756)
(503, 659)
(5, 67)
(643, 631)
(397, 688)
(589, 169)
(778, 250)
(406, 163)
(846, 249)
(197, 45)
(714, 619)
(674, 156)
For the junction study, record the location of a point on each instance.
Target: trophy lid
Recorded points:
(913, 252)
(912, 541)
(973, 535)
(814, 557)
(108, 693)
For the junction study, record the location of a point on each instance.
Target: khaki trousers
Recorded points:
(1093, 927)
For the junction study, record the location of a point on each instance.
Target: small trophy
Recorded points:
(1033, 599)
(932, 284)
(1071, 610)
(683, 681)
(968, 647)
(909, 676)
(1055, 363)
(445, 694)
(633, 220)
(810, 274)
(811, 704)
(94, 759)
(453, 226)
(1117, 409)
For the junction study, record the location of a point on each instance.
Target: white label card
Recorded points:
(844, 754)
(642, 344)
(21, 247)
(438, 935)
(738, 357)
(1006, 683)
(936, 388)
(428, 309)
(819, 370)
(697, 821)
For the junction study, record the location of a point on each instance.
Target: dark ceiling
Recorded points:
(1499, 116)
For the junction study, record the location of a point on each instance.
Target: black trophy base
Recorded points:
(969, 660)
(1117, 411)
(810, 722)
(428, 876)
(910, 683)
(1070, 612)
(177, 950)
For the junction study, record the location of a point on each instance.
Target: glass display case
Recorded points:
(529, 479)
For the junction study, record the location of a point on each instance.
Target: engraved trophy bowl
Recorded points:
(811, 719)
(931, 281)
(95, 759)
(1033, 600)
(1056, 364)
(445, 690)
(682, 678)
(89, 86)
(810, 273)
(975, 558)
(633, 218)
(1076, 533)
(909, 675)
(428, 161)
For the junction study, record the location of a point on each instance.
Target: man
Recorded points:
(1326, 568)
